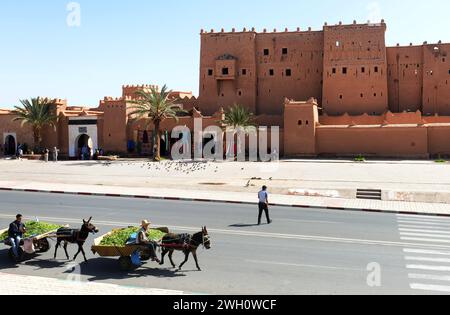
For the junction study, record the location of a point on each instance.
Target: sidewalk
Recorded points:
(28, 285)
(437, 209)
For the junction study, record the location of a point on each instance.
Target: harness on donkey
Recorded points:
(181, 242)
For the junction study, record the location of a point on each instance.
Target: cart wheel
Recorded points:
(13, 257)
(44, 246)
(125, 263)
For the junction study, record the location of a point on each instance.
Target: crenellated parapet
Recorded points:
(287, 30)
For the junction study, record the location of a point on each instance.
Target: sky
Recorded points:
(87, 49)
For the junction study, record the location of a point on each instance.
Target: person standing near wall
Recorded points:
(55, 154)
(46, 155)
(20, 153)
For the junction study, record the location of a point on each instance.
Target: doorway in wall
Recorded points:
(84, 147)
(10, 145)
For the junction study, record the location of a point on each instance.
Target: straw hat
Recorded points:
(145, 223)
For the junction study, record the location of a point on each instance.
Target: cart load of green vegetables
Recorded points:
(34, 228)
(120, 237)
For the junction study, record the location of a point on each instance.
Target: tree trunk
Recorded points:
(37, 137)
(157, 155)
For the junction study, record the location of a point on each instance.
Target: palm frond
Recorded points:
(239, 117)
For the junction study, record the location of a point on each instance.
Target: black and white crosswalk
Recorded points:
(428, 257)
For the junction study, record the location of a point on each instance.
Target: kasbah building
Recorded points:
(335, 92)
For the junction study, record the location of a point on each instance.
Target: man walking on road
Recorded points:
(263, 197)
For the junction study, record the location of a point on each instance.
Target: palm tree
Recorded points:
(157, 106)
(239, 117)
(37, 112)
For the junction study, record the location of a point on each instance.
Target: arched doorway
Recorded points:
(10, 145)
(84, 147)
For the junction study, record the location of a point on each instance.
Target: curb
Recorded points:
(221, 201)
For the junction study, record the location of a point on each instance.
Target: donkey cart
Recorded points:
(31, 245)
(124, 252)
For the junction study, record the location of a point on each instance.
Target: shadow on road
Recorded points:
(105, 269)
(45, 263)
(242, 225)
(5, 262)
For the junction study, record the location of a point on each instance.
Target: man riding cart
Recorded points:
(15, 235)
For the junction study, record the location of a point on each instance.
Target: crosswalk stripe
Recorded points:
(424, 223)
(427, 267)
(431, 240)
(413, 226)
(428, 259)
(425, 235)
(424, 231)
(416, 276)
(430, 287)
(425, 251)
(430, 219)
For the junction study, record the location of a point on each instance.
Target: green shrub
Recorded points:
(35, 228)
(440, 160)
(360, 158)
(120, 237)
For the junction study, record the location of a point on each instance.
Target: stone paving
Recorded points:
(27, 285)
(235, 182)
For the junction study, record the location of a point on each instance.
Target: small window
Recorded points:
(288, 72)
(363, 70)
(341, 96)
(376, 69)
(362, 95)
(284, 51)
(244, 71)
(338, 43)
(334, 70)
(266, 52)
(210, 72)
(375, 94)
(300, 122)
(271, 72)
(240, 93)
(448, 71)
(225, 71)
(307, 122)
(344, 70)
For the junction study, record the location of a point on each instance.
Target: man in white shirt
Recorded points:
(263, 205)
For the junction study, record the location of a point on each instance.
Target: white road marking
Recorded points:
(425, 231)
(308, 221)
(424, 223)
(299, 265)
(427, 267)
(423, 251)
(418, 218)
(428, 230)
(410, 226)
(250, 233)
(428, 259)
(416, 276)
(430, 287)
(425, 235)
(421, 239)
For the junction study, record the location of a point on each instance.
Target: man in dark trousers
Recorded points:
(263, 205)
(15, 234)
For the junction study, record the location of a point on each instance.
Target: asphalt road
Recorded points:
(305, 251)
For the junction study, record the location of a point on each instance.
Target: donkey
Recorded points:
(186, 243)
(72, 236)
